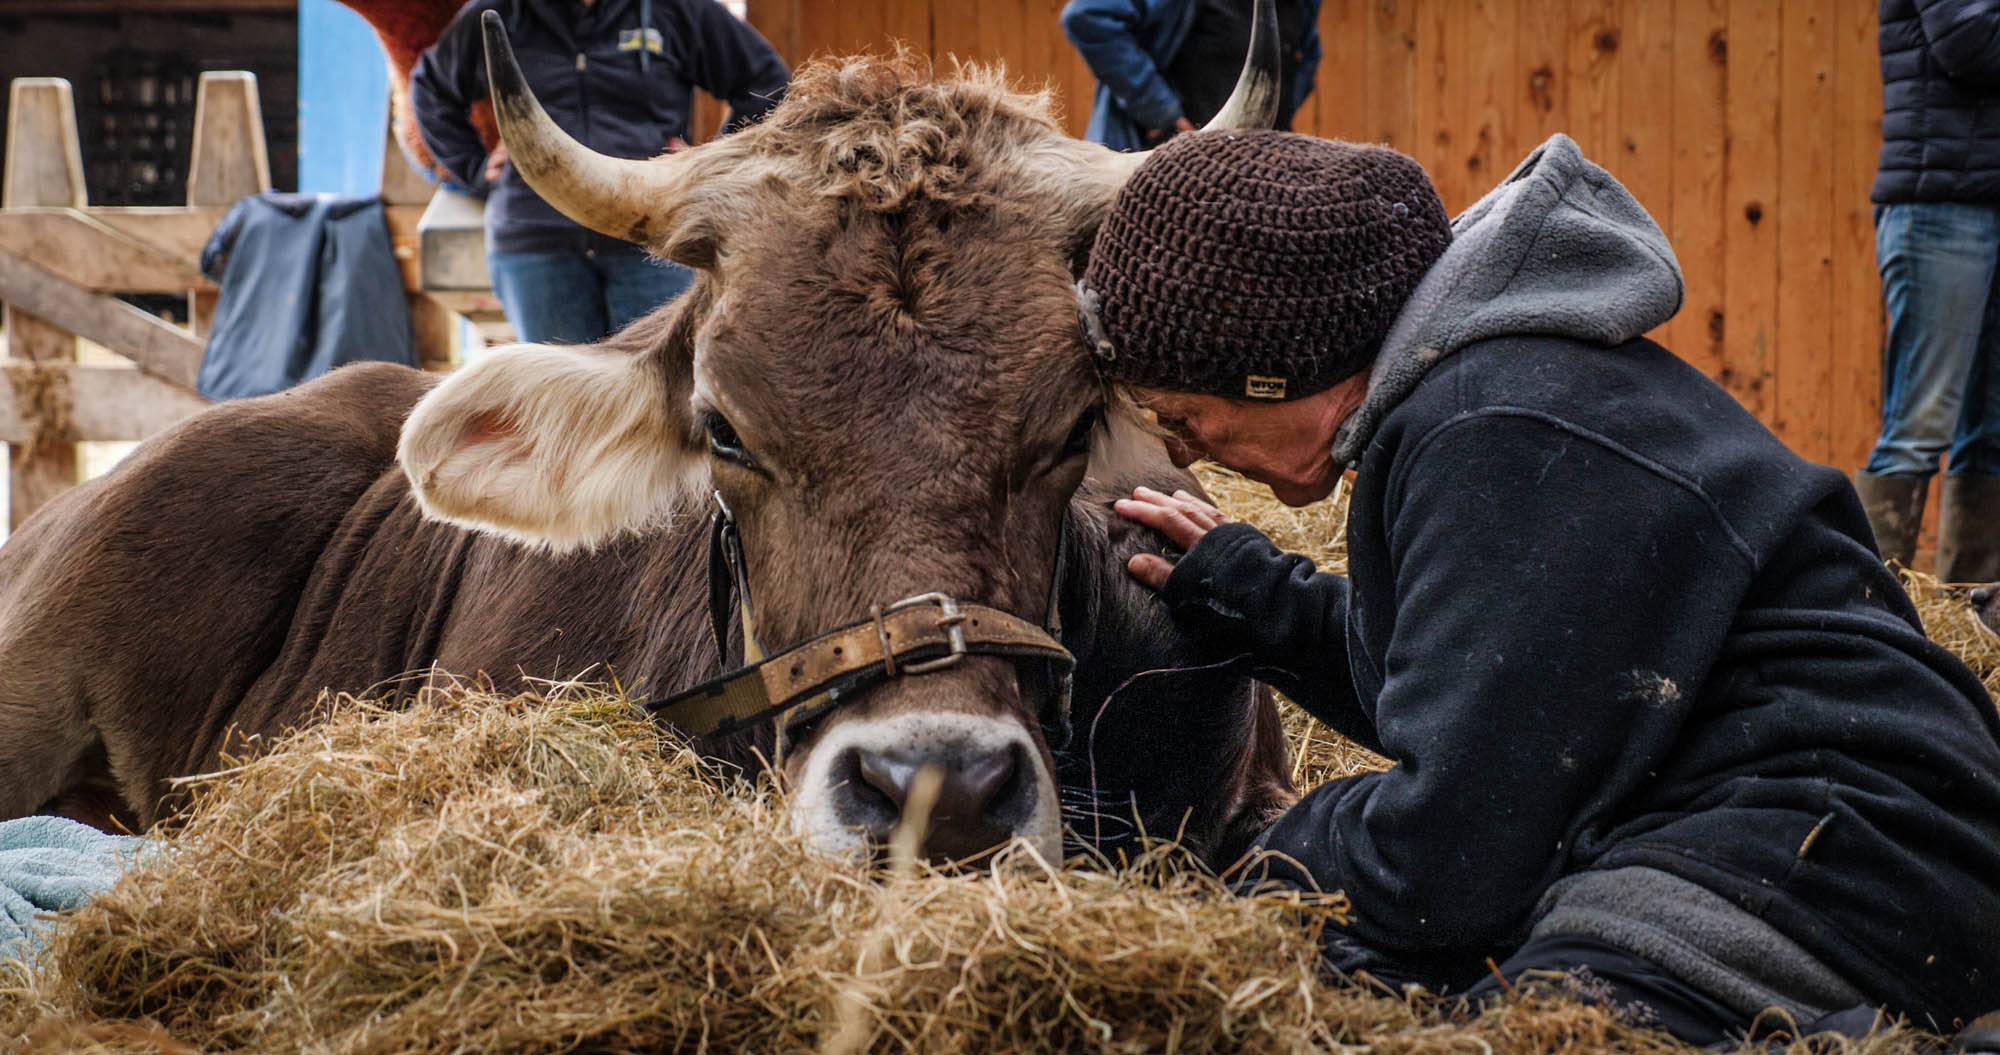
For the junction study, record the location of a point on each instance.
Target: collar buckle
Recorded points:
(950, 620)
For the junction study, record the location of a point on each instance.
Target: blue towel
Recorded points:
(49, 864)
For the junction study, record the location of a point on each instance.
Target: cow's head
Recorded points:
(879, 369)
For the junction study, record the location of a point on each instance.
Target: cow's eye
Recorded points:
(1078, 443)
(723, 441)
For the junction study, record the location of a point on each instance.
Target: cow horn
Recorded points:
(620, 197)
(1254, 101)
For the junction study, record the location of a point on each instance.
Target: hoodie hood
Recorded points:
(1559, 249)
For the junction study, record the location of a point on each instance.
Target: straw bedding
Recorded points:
(547, 873)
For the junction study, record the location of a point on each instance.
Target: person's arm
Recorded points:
(447, 80)
(1558, 605)
(1964, 37)
(1240, 594)
(1102, 31)
(730, 60)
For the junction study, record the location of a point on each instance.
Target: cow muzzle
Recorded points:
(963, 785)
(966, 782)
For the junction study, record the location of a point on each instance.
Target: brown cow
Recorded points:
(879, 368)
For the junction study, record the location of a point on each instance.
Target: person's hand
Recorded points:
(676, 144)
(496, 163)
(1180, 516)
(1181, 124)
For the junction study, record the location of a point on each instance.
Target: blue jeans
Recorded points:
(576, 298)
(1941, 378)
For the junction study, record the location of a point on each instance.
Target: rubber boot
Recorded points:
(1895, 506)
(1969, 528)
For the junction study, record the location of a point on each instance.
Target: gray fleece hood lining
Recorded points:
(1559, 249)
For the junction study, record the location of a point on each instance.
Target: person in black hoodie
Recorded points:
(1662, 721)
(619, 76)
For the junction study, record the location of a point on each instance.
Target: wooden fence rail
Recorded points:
(62, 259)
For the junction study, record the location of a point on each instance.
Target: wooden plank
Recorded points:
(1542, 93)
(1596, 37)
(1338, 108)
(44, 165)
(178, 233)
(159, 348)
(1644, 158)
(435, 328)
(175, 231)
(402, 184)
(229, 160)
(1483, 36)
(1435, 141)
(1802, 363)
(477, 305)
(44, 168)
(88, 403)
(86, 252)
(1701, 77)
(1392, 75)
(778, 22)
(1857, 286)
(1750, 191)
(1078, 85)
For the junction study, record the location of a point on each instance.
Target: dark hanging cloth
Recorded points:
(309, 282)
(1204, 70)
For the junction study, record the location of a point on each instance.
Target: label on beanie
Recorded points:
(1258, 386)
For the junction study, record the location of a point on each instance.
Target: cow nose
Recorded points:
(982, 797)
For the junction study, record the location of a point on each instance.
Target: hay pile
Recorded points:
(482, 874)
(478, 874)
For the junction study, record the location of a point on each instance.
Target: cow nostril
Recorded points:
(984, 796)
(969, 792)
(891, 777)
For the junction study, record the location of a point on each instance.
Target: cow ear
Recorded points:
(560, 447)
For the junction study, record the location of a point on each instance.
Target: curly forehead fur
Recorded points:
(885, 131)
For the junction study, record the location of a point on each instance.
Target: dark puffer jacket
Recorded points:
(1940, 102)
(1642, 673)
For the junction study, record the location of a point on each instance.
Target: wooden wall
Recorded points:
(1748, 127)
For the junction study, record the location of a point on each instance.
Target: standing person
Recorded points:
(619, 76)
(1662, 721)
(1937, 240)
(1166, 66)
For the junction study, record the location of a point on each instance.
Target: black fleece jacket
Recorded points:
(1599, 616)
(619, 75)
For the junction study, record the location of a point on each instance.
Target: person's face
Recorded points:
(1285, 446)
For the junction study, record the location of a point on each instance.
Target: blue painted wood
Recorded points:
(343, 101)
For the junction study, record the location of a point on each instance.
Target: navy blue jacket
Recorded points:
(619, 75)
(1603, 620)
(309, 282)
(1127, 42)
(1940, 102)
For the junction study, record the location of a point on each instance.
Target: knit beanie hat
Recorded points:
(1257, 264)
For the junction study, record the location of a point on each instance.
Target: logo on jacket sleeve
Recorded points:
(630, 39)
